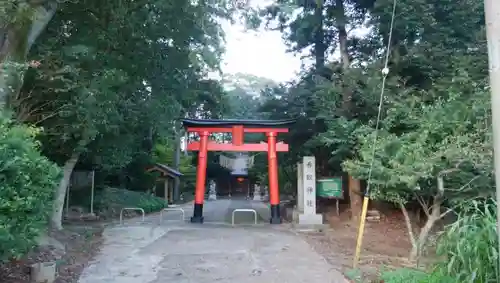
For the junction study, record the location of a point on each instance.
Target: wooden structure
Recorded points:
(237, 128)
(80, 182)
(168, 176)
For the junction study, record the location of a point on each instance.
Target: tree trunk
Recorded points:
(57, 212)
(355, 198)
(409, 227)
(433, 216)
(344, 57)
(341, 23)
(16, 39)
(424, 233)
(419, 243)
(319, 37)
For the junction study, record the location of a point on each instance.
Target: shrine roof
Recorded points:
(206, 123)
(166, 170)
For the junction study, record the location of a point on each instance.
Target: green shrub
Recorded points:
(115, 199)
(27, 184)
(468, 249)
(406, 275)
(470, 245)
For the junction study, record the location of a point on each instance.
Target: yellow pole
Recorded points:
(361, 230)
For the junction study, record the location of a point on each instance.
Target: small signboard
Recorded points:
(330, 188)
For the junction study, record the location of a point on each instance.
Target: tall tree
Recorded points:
(98, 93)
(21, 23)
(430, 42)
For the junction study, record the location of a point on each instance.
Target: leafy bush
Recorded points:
(113, 200)
(470, 245)
(27, 184)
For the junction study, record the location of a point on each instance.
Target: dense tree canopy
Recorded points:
(434, 141)
(106, 83)
(109, 80)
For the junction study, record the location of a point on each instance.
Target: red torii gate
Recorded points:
(237, 128)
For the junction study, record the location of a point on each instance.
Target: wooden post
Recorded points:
(92, 193)
(171, 191)
(165, 188)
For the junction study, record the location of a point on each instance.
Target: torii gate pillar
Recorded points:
(201, 177)
(237, 128)
(274, 194)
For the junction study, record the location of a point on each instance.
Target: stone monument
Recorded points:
(306, 202)
(266, 193)
(212, 191)
(256, 193)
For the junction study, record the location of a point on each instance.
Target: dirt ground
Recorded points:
(385, 244)
(81, 244)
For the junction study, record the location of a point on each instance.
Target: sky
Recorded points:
(261, 53)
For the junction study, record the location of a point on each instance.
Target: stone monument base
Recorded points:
(212, 197)
(310, 219)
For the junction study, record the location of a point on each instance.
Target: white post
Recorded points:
(492, 15)
(309, 216)
(92, 193)
(300, 188)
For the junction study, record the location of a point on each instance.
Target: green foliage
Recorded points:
(413, 151)
(406, 275)
(93, 84)
(467, 249)
(28, 181)
(97, 87)
(113, 199)
(470, 245)
(164, 153)
(435, 119)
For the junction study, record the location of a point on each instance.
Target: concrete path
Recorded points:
(211, 252)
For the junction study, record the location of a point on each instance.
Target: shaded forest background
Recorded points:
(101, 85)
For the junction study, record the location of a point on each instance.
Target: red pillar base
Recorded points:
(197, 213)
(275, 214)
